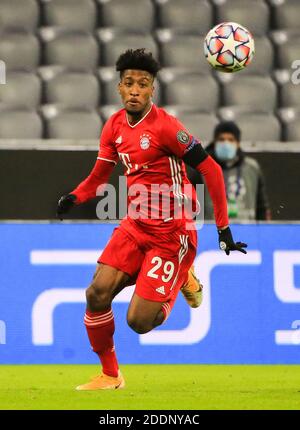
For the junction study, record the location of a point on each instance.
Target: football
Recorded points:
(229, 47)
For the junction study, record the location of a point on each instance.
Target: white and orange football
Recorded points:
(229, 47)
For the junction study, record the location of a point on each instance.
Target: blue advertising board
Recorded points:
(250, 312)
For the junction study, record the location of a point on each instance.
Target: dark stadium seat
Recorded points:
(135, 15)
(255, 126)
(199, 91)
(177, 110)
(258, 92)
(200, 125)
(20, 124)
(19, 15)
(292, 130)
(188, 16)
(50, 71)
(60, 57)
(260, 127)
(72, 124)
(73, 90)
(287, 47)
(289, 94)
(286, 14)
(19, 51)
(74, 50)
(254, 14)
(290, 118)
(107, 111)
(110, 93)
(109, 80)
(114, 43)
(263, 60)
(74, 14)
(182, 51)
(22, 89)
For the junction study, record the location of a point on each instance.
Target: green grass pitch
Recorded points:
(153, 387)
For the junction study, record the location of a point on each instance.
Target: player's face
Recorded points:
(136, 90)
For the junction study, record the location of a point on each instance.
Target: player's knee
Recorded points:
(98, 297)
(159, 319)
(139, 326)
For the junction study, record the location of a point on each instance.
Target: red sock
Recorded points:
(100, 328)
(166, 309)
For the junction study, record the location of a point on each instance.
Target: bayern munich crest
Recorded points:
(145, 141)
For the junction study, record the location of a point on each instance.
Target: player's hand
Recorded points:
(227, 244)
(65, 203)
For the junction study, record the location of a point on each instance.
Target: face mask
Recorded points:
(225, 150)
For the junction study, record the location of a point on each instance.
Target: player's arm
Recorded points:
(87, 189)
(183, 145)
(99, 176)
(198, 158)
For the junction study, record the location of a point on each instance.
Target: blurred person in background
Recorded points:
(245, 186)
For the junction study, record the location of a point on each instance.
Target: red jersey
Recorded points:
(151, 151)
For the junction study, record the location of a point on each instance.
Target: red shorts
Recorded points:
(157, 263)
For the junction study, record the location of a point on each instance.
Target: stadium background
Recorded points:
(60, 89)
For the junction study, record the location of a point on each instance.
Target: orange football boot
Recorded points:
(103, 382)
(192, 290)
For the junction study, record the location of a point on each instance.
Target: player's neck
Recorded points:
(133, 119)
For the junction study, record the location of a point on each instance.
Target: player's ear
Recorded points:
(119, 87)
(153, 91)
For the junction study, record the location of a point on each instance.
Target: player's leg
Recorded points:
(163, 272)
(99, 322)
(112, 275)
(143, 315)
(192, 289)
(106, 284)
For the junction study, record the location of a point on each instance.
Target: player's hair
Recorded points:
(137, 59)
(228, 127)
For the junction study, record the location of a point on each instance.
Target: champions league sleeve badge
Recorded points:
(183, 137)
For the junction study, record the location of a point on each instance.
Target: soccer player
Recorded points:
(155, 253)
